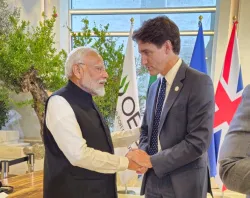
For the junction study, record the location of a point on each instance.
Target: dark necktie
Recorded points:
(154, 138)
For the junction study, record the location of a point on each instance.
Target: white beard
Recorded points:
(93, 87)
(100, 91)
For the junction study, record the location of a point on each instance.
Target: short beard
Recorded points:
(94, 92)
(100, 91)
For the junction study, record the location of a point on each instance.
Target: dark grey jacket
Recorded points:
(185, 129)
(234, 155)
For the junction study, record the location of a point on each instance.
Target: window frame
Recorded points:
(170, 10)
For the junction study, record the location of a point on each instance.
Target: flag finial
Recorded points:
(200, 18)
(132, 20)
(235, 20)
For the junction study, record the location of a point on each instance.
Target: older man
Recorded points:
(234, 158)
(79, 160)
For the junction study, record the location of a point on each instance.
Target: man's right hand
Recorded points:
(133, 165)
(140, 157)
(142, 170)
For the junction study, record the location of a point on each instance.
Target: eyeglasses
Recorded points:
(98, 68)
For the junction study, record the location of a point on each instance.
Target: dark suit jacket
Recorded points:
(185, 131)
(234, 155)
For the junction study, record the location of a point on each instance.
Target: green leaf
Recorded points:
(126, 87)
(123, 82)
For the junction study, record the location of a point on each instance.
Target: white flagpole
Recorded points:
(126, 191)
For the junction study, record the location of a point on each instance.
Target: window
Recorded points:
(187, 21)
(109, 4)
(118, 13)
(120, 22)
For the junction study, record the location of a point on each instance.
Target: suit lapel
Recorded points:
(152, 101)
(173, 93)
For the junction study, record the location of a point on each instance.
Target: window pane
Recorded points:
(109, 4)
(187, 46)
(190, 3)
(118, 23)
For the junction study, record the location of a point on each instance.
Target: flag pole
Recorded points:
(234, 18)
(234, 21)
(126, 191)
(126, 187)
(132, 20)
(200, 20)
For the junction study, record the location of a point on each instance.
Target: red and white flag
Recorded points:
(228, 95)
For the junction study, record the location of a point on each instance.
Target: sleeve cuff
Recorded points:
(123, 163)
(159, 169)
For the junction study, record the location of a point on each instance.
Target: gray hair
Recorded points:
(76, 56)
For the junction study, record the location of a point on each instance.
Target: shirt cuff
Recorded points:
(123, 163)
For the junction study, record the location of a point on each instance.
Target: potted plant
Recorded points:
(29, 62)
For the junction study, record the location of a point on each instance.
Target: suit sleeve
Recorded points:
(200, 116)
(234, 158)
(143, 143)
(144, 134)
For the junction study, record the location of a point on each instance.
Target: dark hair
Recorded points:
(157, 31)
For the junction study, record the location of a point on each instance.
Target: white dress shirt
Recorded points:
(170, 76)
(62, 123)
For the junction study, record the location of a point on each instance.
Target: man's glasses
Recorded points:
(98, 68)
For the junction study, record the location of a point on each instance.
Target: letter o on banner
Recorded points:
(133, 109)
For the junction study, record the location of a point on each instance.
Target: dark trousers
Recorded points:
(158, 188)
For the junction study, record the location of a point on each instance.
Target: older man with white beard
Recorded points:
(79, 160)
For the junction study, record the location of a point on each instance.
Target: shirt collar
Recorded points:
(170, 76)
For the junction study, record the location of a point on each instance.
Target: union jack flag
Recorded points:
(227, 98)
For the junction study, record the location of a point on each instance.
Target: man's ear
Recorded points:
(168, 46)
(76, 71)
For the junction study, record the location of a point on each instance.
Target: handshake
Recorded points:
(139, 161)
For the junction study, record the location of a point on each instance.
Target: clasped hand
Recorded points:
(139, 161)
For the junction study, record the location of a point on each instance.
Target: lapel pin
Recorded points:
(176, 88)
